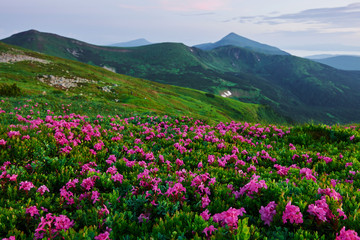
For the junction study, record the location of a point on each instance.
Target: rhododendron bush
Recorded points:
(69, 176)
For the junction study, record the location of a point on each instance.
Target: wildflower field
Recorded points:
(65, 175)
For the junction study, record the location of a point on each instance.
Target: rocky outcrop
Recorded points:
(11, 58)
(62, 82)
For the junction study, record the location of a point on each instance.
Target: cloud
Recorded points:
(193, 5)
(323, 19)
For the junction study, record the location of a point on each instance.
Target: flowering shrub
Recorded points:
(65, 176)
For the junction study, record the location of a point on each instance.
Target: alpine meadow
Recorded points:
(234, 139)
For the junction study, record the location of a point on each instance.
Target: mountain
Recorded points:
(233, 39)
(56, 80)
(342, 62)
(134, 43)
(299, 89)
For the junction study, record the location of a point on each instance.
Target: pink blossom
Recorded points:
(268, 212)
(95, 196)
(211, 159)
(10, 238)
(352, 137)
(253, 186)
(331, 193)
(292, 213)
(111, 159)
(112, 170)
(341, 213)
(32, 211)
(102, 236)
(72, 183)
(209, 230)
(144, 216)
(88, 183)
(205, 201)
(103, 211)
(229, 217)
(63, 223)
(179, 162)
(13, 177)
(347, 235)
(175, 190)
(26, 185)
(320, 210)
(13, 133)
(117, 177)
(42, 189)
(205, 215)
(3, 142)
(25, 137)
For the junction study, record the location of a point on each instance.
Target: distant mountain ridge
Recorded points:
(233, 39)
(133, 43)
(343, 62)
(297, 88)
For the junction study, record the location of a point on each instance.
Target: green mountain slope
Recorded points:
(297, 88)
(53, 79)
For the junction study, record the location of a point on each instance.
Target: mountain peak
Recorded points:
(233, 39)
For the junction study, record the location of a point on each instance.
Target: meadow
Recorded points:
(67, 172)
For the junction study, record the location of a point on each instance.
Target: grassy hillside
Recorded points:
(299, 89)
(114, 93)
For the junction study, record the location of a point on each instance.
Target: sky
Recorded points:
(303, 28)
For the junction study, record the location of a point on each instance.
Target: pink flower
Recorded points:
(175, 190)
(209, 230)
(103, 211)
(10, 238)
(205, 201)
(292, 213)
(42, 189)
(63, 223)
(13, 177)
(229, 217)
(102, 236)
(2, 142)
(211, 159)
(205, 215)
(252, 187)
(179, 162)
(111, 159)
(352, 137)
(117, 177)
(341, 213)
(112, 170)
(72, 183)
(13, 133)
(26, 185)
(25, 137)
(321, 210)
(32, 211)
(268, 212)
(144, 216)
(88, 183)
(347, 235)
(95, 196)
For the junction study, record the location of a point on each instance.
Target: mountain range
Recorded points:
(133, 43)
(343, 62)
(299, 89)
